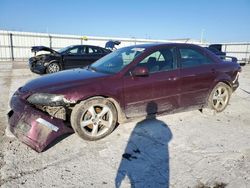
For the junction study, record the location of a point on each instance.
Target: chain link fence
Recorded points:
(239, 50)
(16, 46)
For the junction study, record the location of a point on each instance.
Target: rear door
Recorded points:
(197, 74)
(82, 57)
(161, 87)
(93, 54)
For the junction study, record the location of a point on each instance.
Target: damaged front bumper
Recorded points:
(35, 128)
(35, 67)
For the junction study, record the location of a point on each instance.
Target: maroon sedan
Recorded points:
(119, 87)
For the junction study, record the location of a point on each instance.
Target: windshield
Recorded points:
(117, 60)
(64, 49)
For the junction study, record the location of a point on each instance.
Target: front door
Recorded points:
(159, 91)
(72, 58)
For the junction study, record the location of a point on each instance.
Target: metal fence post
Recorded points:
(11, 47)
(50, 41)
(247, 57)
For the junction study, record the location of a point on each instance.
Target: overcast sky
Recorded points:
(219, 20)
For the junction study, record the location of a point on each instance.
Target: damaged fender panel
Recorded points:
(33, 127)
(54, 105)
(57, 111)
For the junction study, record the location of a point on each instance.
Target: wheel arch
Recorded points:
(224, 80)
(46, 64)
(120, 114)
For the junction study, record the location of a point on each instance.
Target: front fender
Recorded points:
(47, 63)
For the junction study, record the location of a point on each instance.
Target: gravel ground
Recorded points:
(189, 149)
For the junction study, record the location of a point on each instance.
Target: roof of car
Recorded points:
(148, 45)
(155, 45)
(87, 46)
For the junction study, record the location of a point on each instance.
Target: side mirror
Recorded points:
(140, 71)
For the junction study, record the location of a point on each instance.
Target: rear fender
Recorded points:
(222, 78)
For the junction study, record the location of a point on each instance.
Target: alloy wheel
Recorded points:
(53, 67)
(97, 120)
(220, 98)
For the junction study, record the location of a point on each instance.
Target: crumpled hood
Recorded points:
(63, 80)
(42, 48)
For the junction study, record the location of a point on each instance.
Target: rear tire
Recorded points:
(219, 97)
(52, 68)
(94, 118)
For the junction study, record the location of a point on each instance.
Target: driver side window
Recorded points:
(158, 61)
(73, 51)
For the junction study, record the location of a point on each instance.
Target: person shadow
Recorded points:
(145, 161)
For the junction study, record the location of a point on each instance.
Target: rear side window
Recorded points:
(192, 58)
(83, 50)
(73, 51)
(105, 50)
(93, 50)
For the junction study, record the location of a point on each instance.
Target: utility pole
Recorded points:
(202, 35)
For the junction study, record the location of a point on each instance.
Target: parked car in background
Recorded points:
(118, 87)
(217, 52)
(220, 54)
(216, 46)
(76, 56)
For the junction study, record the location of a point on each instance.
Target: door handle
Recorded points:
(172, 78)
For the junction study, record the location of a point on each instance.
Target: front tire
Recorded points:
(94, 118)
(219, 97)
(52, 68)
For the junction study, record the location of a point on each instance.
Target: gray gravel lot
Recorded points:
(189, 149)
